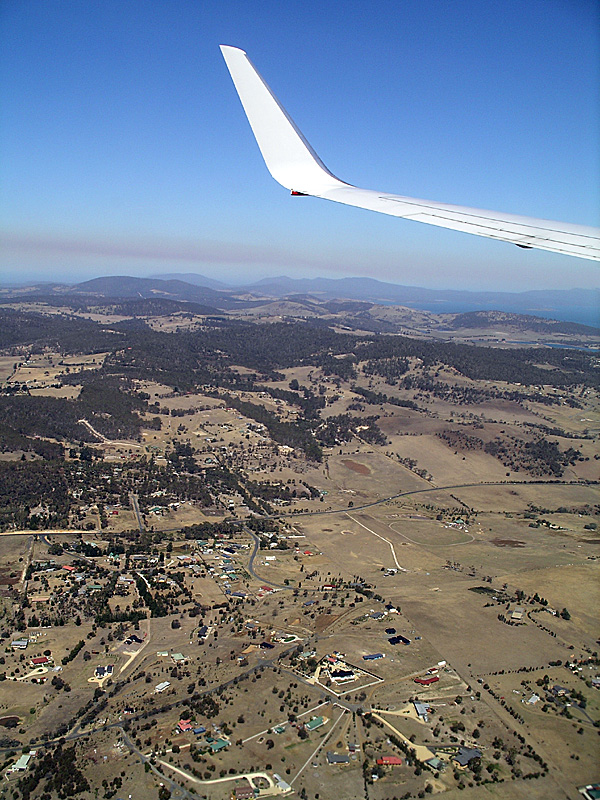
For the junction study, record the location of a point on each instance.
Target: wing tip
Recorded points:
(231, 48)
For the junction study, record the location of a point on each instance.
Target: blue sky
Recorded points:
(125, 150)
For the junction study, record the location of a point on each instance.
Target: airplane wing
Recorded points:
(294, 164)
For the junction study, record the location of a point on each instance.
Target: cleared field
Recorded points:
(7, 365)
(430, 534)
(379, 476)
(458, 625)
(516, 498)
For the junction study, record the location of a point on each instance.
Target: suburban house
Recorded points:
(334, 758)
(466, 755)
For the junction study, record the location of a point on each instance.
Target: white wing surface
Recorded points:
(294, 164)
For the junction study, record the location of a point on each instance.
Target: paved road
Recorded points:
(313, 513)
(178, 792)
(253, 555)
(430, 489)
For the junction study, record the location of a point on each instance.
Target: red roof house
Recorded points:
(389, 761)
(427, 681)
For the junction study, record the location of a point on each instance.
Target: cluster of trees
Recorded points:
(186, 359)
(342, 427)
(539, 457)
(58, 771)
(308, 401)
(377, 398)
(298, 434)
(110, 405)
(48, 494)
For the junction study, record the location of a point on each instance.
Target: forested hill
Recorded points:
(502, 320)
(188, 358)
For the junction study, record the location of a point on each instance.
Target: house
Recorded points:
(590, 792)
(427, 681)
(184, 726)
(342, 675)
(559, 691)
(161, 687)
(517, 614)
(422, 711)
(178, 658)
(22, 763)
(218, 745)
(389, 761)
(40, 661)
(399, 640)
(335, 758)
(100, 672)
(533, 699)
(243, 792)
(283, 787)
(436, 764)
(466, 755)
(314, 723)
(20, 644)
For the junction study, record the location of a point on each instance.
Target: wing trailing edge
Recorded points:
(295, 165)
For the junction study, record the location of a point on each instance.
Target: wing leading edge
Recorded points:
(295, 165)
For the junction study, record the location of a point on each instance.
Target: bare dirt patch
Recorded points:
(323, 621)
(361, 469)
(508, 543)
(7, 578)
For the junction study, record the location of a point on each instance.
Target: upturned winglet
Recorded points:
(294, 164)
(289, 157)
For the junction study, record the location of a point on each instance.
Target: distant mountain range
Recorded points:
(576, 305)
(573, 305)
